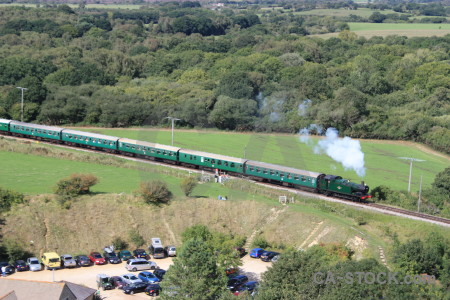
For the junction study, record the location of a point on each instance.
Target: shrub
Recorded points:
(136, 238)
(360, 220)
(119, 243)
(76, 184)
(9, 198)
(155, 192)
(15, 251)
(188, 184)
(260, 242)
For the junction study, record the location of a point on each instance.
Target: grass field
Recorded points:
(401, 26)
(362, 12)
(381, 158)
(90, 5)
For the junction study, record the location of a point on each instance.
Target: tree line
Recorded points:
(261, 71)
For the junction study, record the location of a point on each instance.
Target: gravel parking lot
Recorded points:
(253, 268)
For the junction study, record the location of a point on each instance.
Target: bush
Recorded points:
(188, 184)
(260, 242)
(119, 243)
(76, 184)
(155, 192)
(136, 238)
(360, 220)
(9, 198)
(15, 251)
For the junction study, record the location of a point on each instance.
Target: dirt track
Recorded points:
(253, 268)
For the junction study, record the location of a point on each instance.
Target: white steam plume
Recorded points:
(343, 150)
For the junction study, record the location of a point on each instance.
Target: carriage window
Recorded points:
(219, 162)
(271, 172)
(191, 157)
(153, 150)
(39, 131)
(258, 170)
(281, 175)
(303, 178)
(232, 165)
(295, 177)
(213, 161)
(265, 171)
(289, 176)
(225, 164)
(86, 140)
(309, 179)
(251, 169)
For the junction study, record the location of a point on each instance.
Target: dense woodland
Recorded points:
(233, 69)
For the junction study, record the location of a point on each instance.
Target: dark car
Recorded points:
(136, 287)
(140, 253)
(83, 260)
(112, 257)
(268, 255)
(240, 251)
(249, 287)
(117, 282)
(20, 265)
(235, 282)
(160, 273)
(125, 255)
(9, 268)
(153, 289)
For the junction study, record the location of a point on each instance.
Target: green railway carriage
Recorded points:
(282, 174)
(90, 139)
(38, 131)
(149, 149)
(4, 124)
(210, 160)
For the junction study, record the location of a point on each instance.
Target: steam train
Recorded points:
(330, 185)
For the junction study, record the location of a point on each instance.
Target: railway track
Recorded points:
(374, 206)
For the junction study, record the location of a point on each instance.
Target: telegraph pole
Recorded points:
(410, 169)
(173, 124)
(22, 89)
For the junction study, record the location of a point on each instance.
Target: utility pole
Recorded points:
(420, 194)
(410, 169)
(22, 89)
(173, 124)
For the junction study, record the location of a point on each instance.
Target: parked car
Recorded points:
(112, 257)
(140, 253)
(230, 271)
(153, 289)
(117, 282)
(170, 251)
(148, 277)
(159, 273)
(156, 248)
(249, 287)
(256, 252)
(9, 268)
(130, 278)
(20, 265)
(103, 282)
(67, 261)
(125, 255)
(276, 258)
(235, 282)
(97, 259)
(139, 264)
(268, 255)
(136, 287)
(83, 260)
(241, 251)
(34, 264)
(51, 260)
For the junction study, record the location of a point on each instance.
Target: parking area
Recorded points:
(251, 267)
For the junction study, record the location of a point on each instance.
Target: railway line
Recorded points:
(371, 206)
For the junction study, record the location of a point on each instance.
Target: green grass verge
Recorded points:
(381, 157)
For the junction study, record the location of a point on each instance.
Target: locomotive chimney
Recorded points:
(362, 182)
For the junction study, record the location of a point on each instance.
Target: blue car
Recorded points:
(256, 252)
(148, 277)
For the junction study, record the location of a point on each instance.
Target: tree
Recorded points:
(188, 184)
(9, 198)
(76, 184)
(377, 17)
(194, 274)
(230, 113)
(442, 181)
(136, 238)
(155, 192)
(119, 243)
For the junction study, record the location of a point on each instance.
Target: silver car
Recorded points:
(170, 251)
(130, 278)
(67, 261)
(34, 264)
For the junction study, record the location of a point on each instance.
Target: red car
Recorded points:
(97, 258)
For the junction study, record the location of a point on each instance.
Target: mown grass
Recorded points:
(381, 157)
(396, 26)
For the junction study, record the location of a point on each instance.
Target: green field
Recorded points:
(381, 158)
(397, 26)
(361, 12)
(90, 5)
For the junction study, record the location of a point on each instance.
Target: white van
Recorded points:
(139, 264)
(156, 248)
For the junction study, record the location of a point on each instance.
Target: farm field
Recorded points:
(381, 157)
(362, 12)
